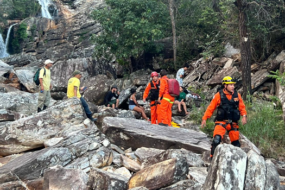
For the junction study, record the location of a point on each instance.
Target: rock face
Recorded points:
(160, 174)
(21, 102)
(272, 177)
(59, 178)
(138, 133)
(227, 170)
(31, 132)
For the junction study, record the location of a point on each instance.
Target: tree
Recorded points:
(171, 13)
(130, 27)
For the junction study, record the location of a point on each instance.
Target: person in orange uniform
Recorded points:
(230, 107)
(164, 112)
(152, 90)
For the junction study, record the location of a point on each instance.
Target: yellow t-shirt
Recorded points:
(73, 82)
(46, 78)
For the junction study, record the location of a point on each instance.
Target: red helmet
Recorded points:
(154, 74)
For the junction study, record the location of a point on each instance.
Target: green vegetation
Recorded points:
(19, 37)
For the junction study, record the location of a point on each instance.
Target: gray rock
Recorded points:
(227, 170)
(256, 172)
(4, 68)
(218, 77)
(18, 185)
(280, 166)
(160, 174)
(138, 133)
(21, 102)
(144, 153)
(103, 157)
(26, 77)
(130, 164)
(124, 172)
(124, 95)
(272, 181)
(31, 132)
(102, 180)
(64, 179)
(139, 188)
(198, 174)
(140, 77)
(259, 78)
(184, 185)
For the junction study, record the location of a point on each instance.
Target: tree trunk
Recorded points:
(245, 49)
(171, 12)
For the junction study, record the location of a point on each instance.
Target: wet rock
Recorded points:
(31, 132)
(184, 185)
(272, 177)
(256, 172)
(218, 77)
(130, 164)
(198, 174)
(97, 88)
(138, 133)
(102, 180)
(64, 179)
(21, 102)
(161, 174)
(227, 170)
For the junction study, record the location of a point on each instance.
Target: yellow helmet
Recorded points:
(228, 80)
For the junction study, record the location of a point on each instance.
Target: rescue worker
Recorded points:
(230, 107)
(164, 113)
(152, 90)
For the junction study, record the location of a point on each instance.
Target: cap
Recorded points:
(76, 72)
(48, 61)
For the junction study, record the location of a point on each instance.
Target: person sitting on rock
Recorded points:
(111, 98)
(180, 100)
(73, 92)
(133, 104)
(180, 74)
(230, 106)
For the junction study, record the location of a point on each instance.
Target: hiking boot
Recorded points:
(39, 110)
(91, 118)
(45, 107)
(162, 124)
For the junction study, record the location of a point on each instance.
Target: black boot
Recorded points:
(162, 124)
(91, 118)
(39, 110)
(45, 107)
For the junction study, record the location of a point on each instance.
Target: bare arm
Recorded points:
(75, 91)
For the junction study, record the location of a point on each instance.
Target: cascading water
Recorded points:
(4, 47)
(45, 4)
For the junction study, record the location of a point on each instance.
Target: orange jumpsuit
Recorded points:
(153, 104)
(164, 112)
(219, 129)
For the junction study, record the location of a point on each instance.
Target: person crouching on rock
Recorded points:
(180, 100)
(152, 90)
(73, 92)
(111, 98)
(230, 107)
(133, 104)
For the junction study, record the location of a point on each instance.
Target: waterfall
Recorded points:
(45, 4)
(4, 47)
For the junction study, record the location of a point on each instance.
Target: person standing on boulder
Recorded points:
(153, 88)
(164, 112)
(73, 92)
(230, 106)
(45, 86)
(180, 74)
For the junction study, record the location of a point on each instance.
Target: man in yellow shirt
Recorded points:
(73, 92)
(45, 86)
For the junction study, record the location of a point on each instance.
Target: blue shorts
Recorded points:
(131, 107)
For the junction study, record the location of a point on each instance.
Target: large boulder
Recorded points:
(138, 133)
(227, 170)
(4, 68)
(140, 77)
(21, 102)
(97, 88)
(160, 174)
(272, 180)
(59, 178)
(31, 132)
(26, 78)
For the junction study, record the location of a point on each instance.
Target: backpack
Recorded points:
(173, 87)
(37, 75)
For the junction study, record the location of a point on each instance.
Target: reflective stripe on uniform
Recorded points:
(168, 100)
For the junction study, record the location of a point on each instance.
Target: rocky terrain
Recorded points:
(59, 148)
